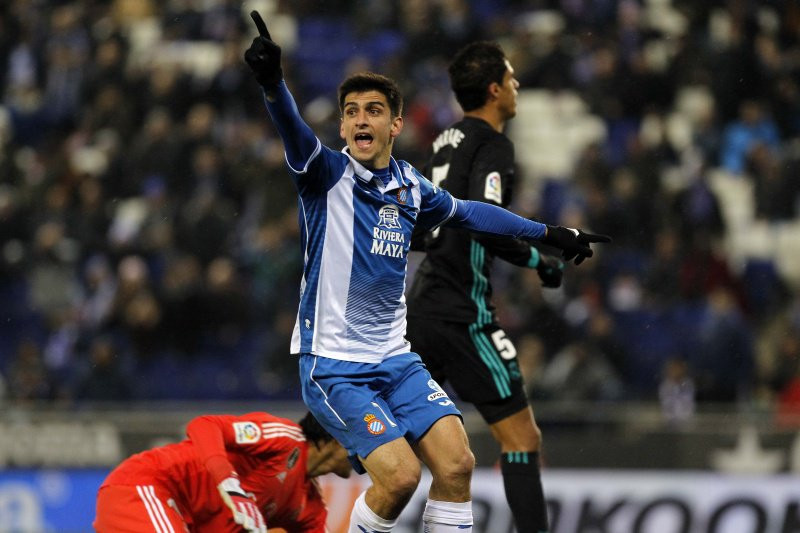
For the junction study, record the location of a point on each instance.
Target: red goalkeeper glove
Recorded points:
(243, 506)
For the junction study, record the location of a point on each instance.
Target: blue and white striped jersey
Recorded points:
(356, 234)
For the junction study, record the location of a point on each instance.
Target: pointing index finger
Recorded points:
(262, 28)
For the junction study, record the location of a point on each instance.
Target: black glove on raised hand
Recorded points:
(550, 271)
(574, 243)
(264, 56)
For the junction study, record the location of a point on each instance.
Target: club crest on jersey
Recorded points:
(293, 457)
(389, 217)
(438, 394)
(402, 195)
(246, 432)
(493, 189)
(374, 424)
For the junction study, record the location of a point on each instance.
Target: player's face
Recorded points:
(342, 466)
(369, 128)
(335, 459)
(507, 96)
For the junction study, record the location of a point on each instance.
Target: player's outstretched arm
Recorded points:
(550, 269)
(264, 59)
(574, 243)
(487, 218)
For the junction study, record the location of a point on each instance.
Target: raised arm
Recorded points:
(264, 59)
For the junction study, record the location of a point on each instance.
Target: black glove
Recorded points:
(550, 270)
(264, 56)
(574, 243)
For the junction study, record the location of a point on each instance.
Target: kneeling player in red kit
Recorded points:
(232, 474)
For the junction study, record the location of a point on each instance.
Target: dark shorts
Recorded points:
(479, 363)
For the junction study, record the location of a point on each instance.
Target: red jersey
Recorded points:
(267, 452)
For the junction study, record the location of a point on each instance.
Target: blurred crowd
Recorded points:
(148, 229)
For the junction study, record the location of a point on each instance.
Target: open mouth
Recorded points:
(363, 140)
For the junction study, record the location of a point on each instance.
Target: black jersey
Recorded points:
(472, 161)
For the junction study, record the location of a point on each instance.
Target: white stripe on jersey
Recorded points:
(280, 425)
(272, 430)
(330, 330)
(275, 433)
(158, 517)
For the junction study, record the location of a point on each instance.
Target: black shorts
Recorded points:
(479, 363)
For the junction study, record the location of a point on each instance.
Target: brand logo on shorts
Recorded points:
(374, 424)
(438, 394)
(246, 432)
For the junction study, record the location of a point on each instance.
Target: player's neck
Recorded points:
(490, 115)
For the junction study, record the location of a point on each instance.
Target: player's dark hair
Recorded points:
(370, 81)
(473, 69)
(313, 430)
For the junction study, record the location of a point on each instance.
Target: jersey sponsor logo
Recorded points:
(493, 189)
(389, 217)
(402, 195)
(246, 432)
(374, 424)
(387, 248)
(451, 136)
(385, 242)
(438, 394)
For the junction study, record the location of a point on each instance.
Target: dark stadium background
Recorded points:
(149, 257)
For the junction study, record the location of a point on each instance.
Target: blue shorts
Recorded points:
(364, 405)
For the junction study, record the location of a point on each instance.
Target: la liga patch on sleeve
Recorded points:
(493, 189)
(246, 432)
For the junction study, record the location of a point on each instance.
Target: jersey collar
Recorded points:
(366, 175)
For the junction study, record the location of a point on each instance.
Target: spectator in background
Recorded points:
(724, 361)
(28, 379)
(225, 306)
(753, 126)
(784, 379)
(777, 189)
(579, 373)
(676, 392)
(105, 378)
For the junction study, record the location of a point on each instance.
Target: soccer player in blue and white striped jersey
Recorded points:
(359, 377)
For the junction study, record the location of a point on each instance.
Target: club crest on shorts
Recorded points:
(374, 424)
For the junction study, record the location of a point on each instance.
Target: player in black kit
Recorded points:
(451, 319)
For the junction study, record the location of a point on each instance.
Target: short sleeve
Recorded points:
(492, 173)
